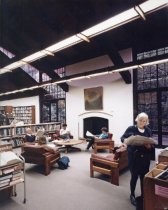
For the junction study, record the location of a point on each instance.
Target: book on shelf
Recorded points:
(5, 146)
(14, 182)
(18, 173)
(4, 177)
(5, 181)
(9, 157)
(8, 170)
(4, 184)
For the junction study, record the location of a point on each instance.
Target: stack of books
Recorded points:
(10, 169)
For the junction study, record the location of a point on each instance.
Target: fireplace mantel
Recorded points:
(94, 114)
(87, 114)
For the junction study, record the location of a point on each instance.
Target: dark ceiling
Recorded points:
(27, 26)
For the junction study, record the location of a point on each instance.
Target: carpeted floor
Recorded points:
(71, 189)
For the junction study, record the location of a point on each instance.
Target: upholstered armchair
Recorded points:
(110, 165)
(41, 155)
(104, 143)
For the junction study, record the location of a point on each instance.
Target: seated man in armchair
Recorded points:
(29, 137)
(65, 132)
(103, 135)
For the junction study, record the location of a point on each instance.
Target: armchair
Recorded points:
(40, 155)
(104, 143)
(110, 165)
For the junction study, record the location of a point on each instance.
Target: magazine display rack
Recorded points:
(156, 188)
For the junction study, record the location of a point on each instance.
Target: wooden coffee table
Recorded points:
(68, 144)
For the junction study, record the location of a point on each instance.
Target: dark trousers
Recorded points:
(133, 182)
(91, 142)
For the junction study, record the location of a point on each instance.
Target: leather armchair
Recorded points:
(41, 155)
(104, 144)
(110, 165)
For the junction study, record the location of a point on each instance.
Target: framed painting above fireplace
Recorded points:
(93, 98)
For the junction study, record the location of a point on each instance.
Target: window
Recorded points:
(151, 94)
(53, 101)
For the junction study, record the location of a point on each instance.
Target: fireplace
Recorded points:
(94, 125)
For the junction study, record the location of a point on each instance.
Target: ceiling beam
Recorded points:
(117, 60)
(48, 69)
(20, 51)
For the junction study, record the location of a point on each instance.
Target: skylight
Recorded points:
(7, 53)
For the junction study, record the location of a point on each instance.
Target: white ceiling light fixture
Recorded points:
(111, 23)
(140, 12)
(98, 74)
(48, 52)
(90, 75)
(34, 87)
(44, 85)
(76, 78)
(4, 70)
(15, 65)
(22, 90)
(34, 56)
(83, 37)
(64, 44)
(125, 68)
(153, 5)
(59, 82)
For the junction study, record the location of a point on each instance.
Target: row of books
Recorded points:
(10, 176)
(16, 142)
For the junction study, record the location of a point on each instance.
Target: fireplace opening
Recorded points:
(94, 125)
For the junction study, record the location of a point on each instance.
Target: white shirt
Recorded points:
(64, 131)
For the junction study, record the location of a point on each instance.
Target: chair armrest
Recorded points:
(105, 160)
(103, 140)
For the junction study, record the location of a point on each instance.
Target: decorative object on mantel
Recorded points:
(93, 98)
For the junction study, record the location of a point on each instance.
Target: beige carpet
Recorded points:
(71, 189)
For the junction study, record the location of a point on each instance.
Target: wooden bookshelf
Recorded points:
(15, 134)
(25, 114)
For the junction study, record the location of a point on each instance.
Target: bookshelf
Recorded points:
(15, 134)
(25, 114)
(6, 115)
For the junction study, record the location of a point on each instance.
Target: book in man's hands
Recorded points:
(89, 134)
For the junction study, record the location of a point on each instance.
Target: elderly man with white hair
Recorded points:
(29, 137)
(139, 156)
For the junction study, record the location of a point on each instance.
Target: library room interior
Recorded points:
(84, 105)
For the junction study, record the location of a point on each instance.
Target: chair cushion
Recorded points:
(108, 157)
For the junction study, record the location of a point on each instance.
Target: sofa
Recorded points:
(110, 165)
(41, 155)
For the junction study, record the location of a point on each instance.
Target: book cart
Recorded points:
(12, 173)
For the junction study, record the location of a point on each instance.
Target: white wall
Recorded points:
(29, 101)
(117, 106)
(117, 96)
